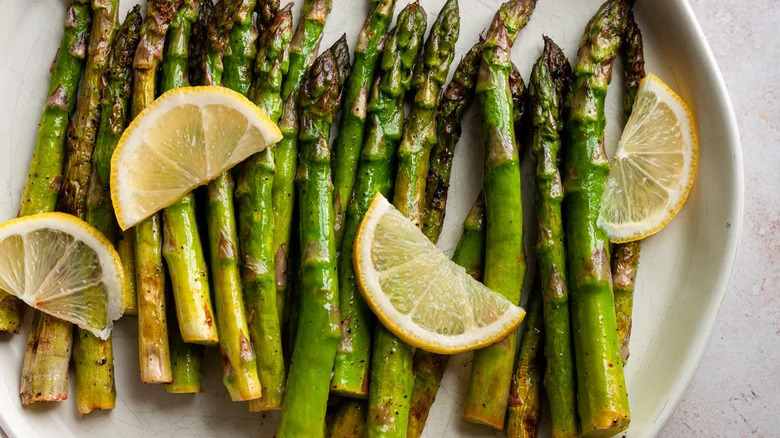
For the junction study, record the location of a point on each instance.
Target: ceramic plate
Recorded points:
(683, 275)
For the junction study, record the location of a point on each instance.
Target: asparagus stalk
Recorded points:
(272, 63)
(93, 358)
(353, 118)
(601, 388)
(391, 356)
(384, 121)
(125, 246)
(428, 367)
(191, 314)
(625, 261)
(52, 356)
(182, 247)
(186, 360)
(303, 48)
(550, 82)
(42, 186)
(45, 368)
(230, 24)
(457, 97)
(153, 347)
(349, 421)
(255, 220)
(525, 396)
(420, 128)
(266, 14)
(491, 370)
(306, 396)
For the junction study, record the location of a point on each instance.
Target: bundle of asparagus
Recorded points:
(377, 149)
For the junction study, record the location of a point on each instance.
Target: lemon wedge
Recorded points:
(62, 266)
(421, 295)
(654, 167)
(186, 138)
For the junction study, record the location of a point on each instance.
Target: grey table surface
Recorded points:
(735, 390)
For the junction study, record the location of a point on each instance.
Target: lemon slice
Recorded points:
(62, 266)
(186, 138)
(654, 166)
(421, 295)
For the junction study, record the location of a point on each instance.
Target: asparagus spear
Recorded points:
(601, 388)
(491, 370)
(457, 97)
(349, 421)
(525, 396)
(625, 261)
(266, 14)
(182, 247)
(52, 355)
(303, 48)
(272, 63)
(353, 118)
(154, 354)
(191, 314)
(93, 358)
(230, 26)
(42, 186)
(125, 246)
(392, 358)
(429, 367)
(383, 131)
(255, 220)
(306, 396)
(550, 82)
(186, 359)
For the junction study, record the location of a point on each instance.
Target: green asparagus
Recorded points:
(182, 247)
(349, 421)
(457, 97)
(255, 220)
(186, 359)
(601, 389)
(550, 82)
(429, 368)
(43, 178)
(306, 396)
(73, 199)
(625, 260)
(232, 23)
(353, 117)
(192, 314)
(384, 124)
(391, 356)
(92, 357)
(491, 370)
(153, 347)
(125, 246)
(303, 48)
(525, 396)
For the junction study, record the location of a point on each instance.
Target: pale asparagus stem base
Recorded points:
(45, 370)
(153, 347)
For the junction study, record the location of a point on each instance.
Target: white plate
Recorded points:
(684, 270)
